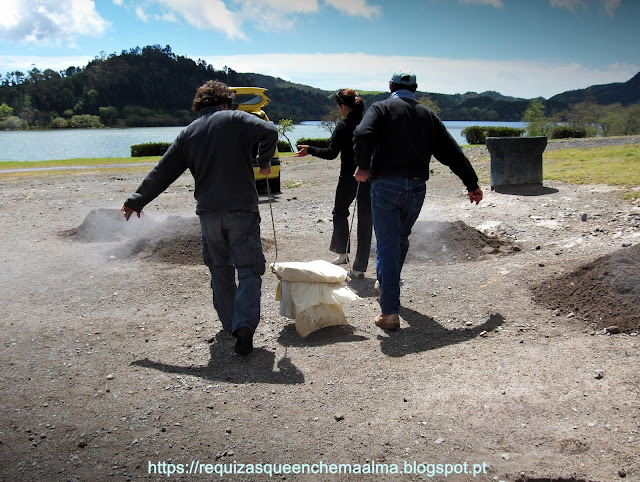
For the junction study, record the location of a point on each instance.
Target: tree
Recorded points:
(5, 111)
(285, 126)
(534, 115)
(108, 115)
(330, 120)
(430, 103)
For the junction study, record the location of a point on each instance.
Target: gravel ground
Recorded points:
(114, 366)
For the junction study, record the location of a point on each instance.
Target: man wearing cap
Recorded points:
(393, 147)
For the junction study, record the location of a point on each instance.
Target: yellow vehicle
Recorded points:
(252, 100)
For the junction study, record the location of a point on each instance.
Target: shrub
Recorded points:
(315, 142)
(85, 121)
(479, 134)
(11, 123)
(284, 146)
(59, 123)
(149, 149)
(566, 132)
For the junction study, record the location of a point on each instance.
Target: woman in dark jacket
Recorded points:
(351, 107)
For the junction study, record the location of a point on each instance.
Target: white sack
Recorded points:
(313, 304)
(318, 271)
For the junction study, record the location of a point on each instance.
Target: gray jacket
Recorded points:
(216, 148)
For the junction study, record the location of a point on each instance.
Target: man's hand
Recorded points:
(475, 195)
(303, 151)
(265, 171)
(128, 212)
(362, 175)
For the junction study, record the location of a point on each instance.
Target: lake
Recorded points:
(79, 143)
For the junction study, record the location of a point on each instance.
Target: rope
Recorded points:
(273, 224)
(353, 215)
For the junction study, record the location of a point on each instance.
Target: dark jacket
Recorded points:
(341, 142)
(216, 148)
(397, 138)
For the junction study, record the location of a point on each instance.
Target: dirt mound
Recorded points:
(174, 240)
(446, 242)
(605, 291)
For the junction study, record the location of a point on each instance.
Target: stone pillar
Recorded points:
(516, 160)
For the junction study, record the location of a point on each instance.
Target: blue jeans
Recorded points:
(395, 206)
(231, 242)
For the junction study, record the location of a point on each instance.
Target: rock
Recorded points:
(110, 376)
(338, 417)
(622, 473)
(612, 330)
(583, 217)
(598, 374)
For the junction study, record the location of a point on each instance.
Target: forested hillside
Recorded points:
(152, 86)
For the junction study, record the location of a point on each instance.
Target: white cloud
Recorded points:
(50, 21)
(140, 13)
(492, 3)
(23, 63)
(210, 14)
(608, 6)
(526, 79)
(229, 16)
(355, 8)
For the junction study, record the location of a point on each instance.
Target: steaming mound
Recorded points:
(446, 242)
(174, 240)
(605, 291)
(107, 225)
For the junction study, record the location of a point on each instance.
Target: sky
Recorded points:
(520, 48)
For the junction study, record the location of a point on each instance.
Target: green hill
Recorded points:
(152, 86)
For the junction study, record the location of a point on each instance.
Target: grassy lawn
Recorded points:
(92, 161)
(614, 166)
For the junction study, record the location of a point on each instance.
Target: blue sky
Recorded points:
(522, 48)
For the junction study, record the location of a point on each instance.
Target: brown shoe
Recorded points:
(388, 322)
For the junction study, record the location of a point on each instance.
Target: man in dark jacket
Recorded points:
(217, 150)
(393, 146)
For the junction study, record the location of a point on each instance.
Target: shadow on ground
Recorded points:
(225, 365)
(525, 190)
(424, 334)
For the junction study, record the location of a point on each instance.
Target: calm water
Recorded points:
(79, 143)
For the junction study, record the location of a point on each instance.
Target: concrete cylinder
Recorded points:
(516, 160)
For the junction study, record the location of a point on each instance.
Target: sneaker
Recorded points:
(244, 345)
(388, 322)
(341, 259)
(356, 274)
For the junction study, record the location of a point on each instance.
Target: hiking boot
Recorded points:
(388, 322)
(341, 259)
(244, 343)
(356, 274)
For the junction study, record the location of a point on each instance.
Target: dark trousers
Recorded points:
(345, 194)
